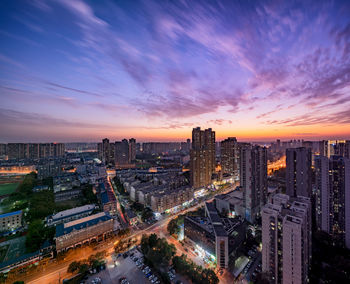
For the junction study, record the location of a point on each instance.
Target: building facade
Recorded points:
(96, 227)
(253, 179)
(298, 172)
(229, 156)
(132, 150)
(34, 150)
(202, 157)
(286, 239)
(10, 221)
(333, 197)
(122, 156)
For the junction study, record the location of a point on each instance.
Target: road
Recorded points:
(56, 271)
(121, 215)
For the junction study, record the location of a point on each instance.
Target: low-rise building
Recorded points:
(216, 237)
(230, 203)
(40, 188)
(131, 216)
(68, 194)
(108, 199)
(96, 227)
(168, 199)
(10, 221)
(70, 215)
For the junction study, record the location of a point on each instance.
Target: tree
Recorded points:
(173, 227)
(152, 240)
(35, 236)
(137, 206)
(84, 268)
(146, 214)
(209, 276)
(73, 266)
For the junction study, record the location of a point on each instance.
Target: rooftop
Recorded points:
(73, 211)
(11, 214)
(63, 229)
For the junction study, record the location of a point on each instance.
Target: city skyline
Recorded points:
(81, 70)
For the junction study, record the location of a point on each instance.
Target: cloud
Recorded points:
(9, 60)
(13, 117)
(337, 118)
(219, 121)
(55, 85)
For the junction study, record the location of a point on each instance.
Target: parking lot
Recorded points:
(119, 268)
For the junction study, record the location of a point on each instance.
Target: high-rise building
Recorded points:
(330, 148)
(229, 156)
(298, 172)
(322, 179)
(122, 152)
(286, 239)
(202, 157)
(35, 150)
(253, 179)
(333, 197)
(132, 150)
(3, 149)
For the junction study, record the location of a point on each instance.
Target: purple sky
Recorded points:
(258, 70)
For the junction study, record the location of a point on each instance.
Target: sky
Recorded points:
(258, 70)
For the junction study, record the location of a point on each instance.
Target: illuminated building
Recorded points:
(10, 221)
(202, 157)
(96, 227)
(333, 197)
(131, 217)
(106, 151)
(298, 172)
(253, 179)
(229, 156)
(160, 189)
(230, 203)
(216, 237)
(160, 147)
(108, 199)
(286, 239)
(169, 199)
(330, 148)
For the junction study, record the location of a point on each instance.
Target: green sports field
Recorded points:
(8, 188)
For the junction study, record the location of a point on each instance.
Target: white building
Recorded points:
(286, 239)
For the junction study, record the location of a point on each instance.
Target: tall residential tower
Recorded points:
(202, 156)
(253, 179)
(298, 172)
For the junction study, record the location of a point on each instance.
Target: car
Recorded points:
(132, 254)
(151, 277)
(148, 274)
